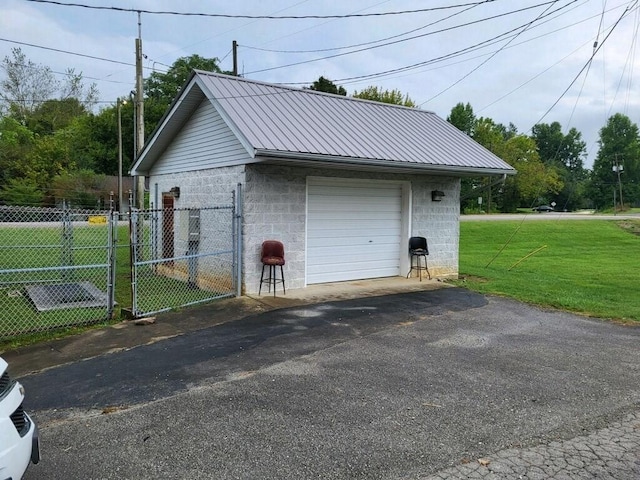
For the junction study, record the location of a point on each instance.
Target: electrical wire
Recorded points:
(345, 47)
(431, 61)
(448, 29)
(67, 52)
(486, 60)
(625, 13)
(253, 17)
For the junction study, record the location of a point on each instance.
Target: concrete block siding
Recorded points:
(275, 208)
(203, 188)
(439, 222)
(274, 201)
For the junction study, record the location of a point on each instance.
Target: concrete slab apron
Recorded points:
(405, 386)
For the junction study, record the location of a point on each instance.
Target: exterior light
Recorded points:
(437, 195)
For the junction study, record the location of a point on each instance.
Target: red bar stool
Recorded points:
(272, 255)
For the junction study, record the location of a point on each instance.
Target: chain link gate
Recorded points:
(183, 256)
(56, 268)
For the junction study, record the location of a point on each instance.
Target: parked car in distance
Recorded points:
(19, 441)
(543, 208)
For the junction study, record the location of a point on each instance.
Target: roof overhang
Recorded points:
(368, 164)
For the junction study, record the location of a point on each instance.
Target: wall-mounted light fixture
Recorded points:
(175, 191)
(436, 195)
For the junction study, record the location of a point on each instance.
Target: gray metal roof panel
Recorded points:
(284, 120)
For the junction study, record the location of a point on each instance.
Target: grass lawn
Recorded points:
(586, 266)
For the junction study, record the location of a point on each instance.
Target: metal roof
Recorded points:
(305, 125)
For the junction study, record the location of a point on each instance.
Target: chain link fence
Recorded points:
(56, 268)
(183, 257)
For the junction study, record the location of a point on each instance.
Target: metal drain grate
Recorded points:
(66, 295)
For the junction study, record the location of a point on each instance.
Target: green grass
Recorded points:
(586, 266)
(38, 247)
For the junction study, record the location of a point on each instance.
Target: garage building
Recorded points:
(342, 182)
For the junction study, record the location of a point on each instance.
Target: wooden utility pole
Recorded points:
(139, 115)
(234, 48)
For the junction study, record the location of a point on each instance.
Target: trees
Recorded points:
(619, 147)
(164, 87)
(563, 153)
(27, 86)
(327, 86)
(385, 96)
(535, 181)
(463, 118)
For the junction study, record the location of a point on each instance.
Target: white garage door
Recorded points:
(353, 230)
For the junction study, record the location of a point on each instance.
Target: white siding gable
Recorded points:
(205, 141)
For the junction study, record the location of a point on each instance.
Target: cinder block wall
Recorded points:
(438, 222)
(274, 200)
(198, 189)
(275, 209)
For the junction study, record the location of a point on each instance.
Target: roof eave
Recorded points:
(316, 160)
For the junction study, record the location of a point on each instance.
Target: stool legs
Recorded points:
(272, 279)
(418, 266)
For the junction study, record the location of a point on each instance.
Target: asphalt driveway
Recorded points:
(445, 383)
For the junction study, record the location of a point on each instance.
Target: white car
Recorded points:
(19, 442)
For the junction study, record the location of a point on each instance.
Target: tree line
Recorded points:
(54, 144)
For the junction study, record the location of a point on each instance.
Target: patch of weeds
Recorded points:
(631, 226)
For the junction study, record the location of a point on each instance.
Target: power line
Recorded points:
(256, 17)
(503, 47)
(333, 49)
(406, 39)
(67, 52)
(431, 61)
(595, 50)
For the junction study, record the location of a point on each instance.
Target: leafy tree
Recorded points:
(326, 85)
(534, 182)
(82, 188)
(27, 86)
(21, 191)
(164, 87)
(463, 118)
(51, 155)
(53, 115)
(385, 96)
(619, 146)
(16, 141)
(563, 153)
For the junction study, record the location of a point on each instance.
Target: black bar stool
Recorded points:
(418, 249)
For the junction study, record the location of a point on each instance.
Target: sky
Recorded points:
(514, 61)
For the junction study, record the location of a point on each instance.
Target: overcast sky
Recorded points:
(517, 61)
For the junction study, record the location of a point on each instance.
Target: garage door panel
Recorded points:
(355, 255)
(368, 232)
(353, 190)
(353, 230)
(387, 219)
(357, 267)
(326, 244)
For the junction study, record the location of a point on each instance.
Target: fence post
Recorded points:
(133, 245)
(67, 243)
(112, 225)
(238, 246)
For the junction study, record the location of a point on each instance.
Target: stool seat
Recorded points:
(273, 260)
(272, 256)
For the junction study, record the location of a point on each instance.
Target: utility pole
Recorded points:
(119, 108)
(618, 169)
(234, 48)
(139, 114)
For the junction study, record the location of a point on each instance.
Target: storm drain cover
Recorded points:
(66, 295)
